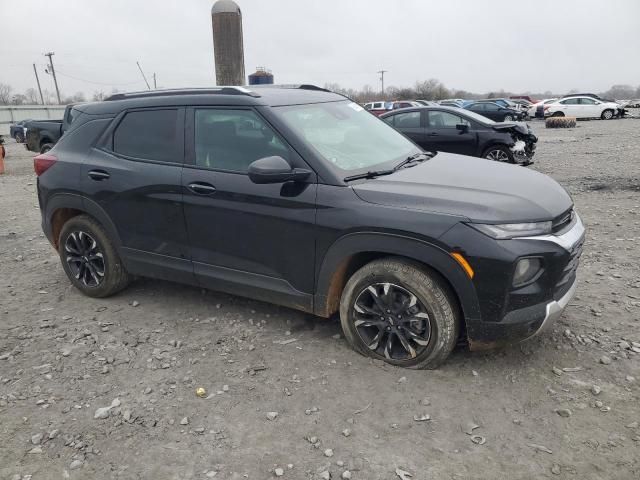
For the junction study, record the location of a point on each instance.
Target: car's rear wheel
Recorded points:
(498, 153)
(607, 115)
(508, 118)
(46, 147)
(90, 259)
(399, 312)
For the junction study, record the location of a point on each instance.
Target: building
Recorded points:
(226, 20)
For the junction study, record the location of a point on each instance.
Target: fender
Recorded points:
(339, 253)
(83, 204)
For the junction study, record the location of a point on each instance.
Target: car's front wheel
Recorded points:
(607, 115)
(499, 153)
(399, 312)
(507, 118)
(90, 259)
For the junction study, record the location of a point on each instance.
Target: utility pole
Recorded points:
(155, 86)
(382, 72)
(145, 78)
(38, 81)
(53, 72)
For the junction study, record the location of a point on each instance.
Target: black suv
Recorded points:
(300, 197)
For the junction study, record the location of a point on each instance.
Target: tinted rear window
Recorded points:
(151, 134)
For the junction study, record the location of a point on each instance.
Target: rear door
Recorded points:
(134, 177)
(249, 239)
(410, 124)
(571, 107)
(444, 135)
(590, 107)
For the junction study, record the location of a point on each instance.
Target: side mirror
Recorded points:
(275, 170)
(463, 127)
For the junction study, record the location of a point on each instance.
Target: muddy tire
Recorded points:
(46, 147)
(499, 153)
(90, 259)
(400, 312)
(607, 114)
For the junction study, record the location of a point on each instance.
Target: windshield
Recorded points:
(347, 136)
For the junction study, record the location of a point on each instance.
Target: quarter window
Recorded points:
(407, 120)
(149, 134)
(232, 139)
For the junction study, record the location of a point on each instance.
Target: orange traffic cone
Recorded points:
(1, 159)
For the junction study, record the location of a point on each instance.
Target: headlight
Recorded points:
(513, 230)
(526, 270)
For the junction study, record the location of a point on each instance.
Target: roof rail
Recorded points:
(301, 86)
(222, 90)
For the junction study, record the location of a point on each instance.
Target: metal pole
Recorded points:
(53, 72)
(145, 78)
(382, 72)
(38, 80)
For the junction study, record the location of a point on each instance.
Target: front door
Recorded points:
(247, 239)
(444, 135)
(134, 178)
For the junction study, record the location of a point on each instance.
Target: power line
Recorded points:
(99, 83)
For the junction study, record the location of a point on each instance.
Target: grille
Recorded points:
(572, 265)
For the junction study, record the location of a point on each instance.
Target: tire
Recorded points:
(435, 321)
(19, 138)
(607, 114)
(507, 118)
(499, 153)
(45, 147)
(558, 114)
(84, 241)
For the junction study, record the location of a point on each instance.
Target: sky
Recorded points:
(474, 45)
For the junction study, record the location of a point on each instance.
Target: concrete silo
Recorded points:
(228, 50)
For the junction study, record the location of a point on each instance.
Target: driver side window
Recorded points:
(445, 120)
(231, 140)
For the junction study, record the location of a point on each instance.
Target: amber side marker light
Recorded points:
(463, 263)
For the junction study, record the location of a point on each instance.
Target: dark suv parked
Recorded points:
(300, 197)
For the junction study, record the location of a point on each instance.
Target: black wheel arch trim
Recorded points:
(390, 244)
(82, 204)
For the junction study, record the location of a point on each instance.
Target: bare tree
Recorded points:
(5, 94)
(18, 99)
(620, 92)
(32, 96)
(78, 97)
(99, 96)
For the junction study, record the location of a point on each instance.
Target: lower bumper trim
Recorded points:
(554, 310)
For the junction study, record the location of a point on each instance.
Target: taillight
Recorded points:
(43, 162)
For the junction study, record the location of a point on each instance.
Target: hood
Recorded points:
(520, 127)
(478, 189)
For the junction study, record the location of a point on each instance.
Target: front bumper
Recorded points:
(510, 315)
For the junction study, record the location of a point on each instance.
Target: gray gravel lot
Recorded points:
(565, 405)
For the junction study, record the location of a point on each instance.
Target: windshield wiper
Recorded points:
(403, 163)
(412, 158)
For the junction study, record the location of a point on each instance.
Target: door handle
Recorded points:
(433, 134)
(98, 175)
(201, 188)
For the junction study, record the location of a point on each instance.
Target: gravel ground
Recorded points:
(565, 405)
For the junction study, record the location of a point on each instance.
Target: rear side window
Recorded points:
(408, 120)
(149, 134)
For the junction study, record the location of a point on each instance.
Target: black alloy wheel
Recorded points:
(84, 258)
(391, 321)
